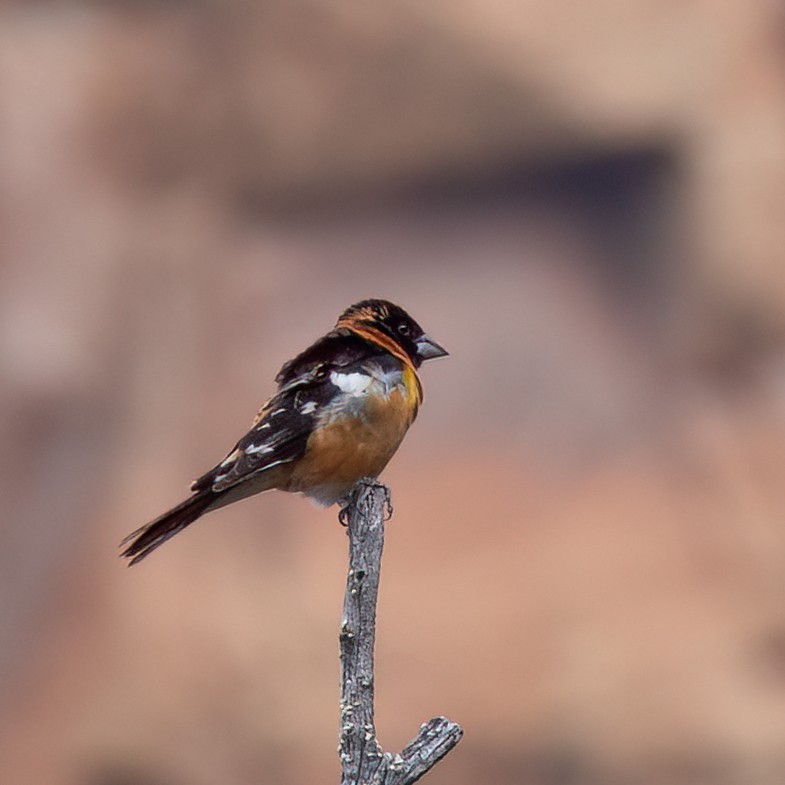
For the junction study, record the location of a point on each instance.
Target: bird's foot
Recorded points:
(351, 498)
(343, 513)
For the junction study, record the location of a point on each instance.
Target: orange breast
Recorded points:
(345, 449)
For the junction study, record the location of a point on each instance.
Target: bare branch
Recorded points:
(362, 759)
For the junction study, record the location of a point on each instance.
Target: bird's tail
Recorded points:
(144, 541)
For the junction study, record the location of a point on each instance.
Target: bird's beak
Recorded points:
(428, 349)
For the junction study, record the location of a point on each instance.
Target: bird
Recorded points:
(340, 412)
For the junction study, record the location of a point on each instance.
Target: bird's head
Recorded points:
(392, 321)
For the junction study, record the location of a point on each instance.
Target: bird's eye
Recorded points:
(403, 328)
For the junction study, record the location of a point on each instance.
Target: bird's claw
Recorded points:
(343, 514)
(369, 483)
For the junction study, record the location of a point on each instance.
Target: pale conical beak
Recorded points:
(428, 349)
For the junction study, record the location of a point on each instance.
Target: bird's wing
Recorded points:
(280, 431)
(278, 436)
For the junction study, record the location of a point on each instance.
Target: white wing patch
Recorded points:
(308, 408)
(261, 449)
(351, 383)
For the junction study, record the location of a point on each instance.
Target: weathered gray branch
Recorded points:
(362, 759)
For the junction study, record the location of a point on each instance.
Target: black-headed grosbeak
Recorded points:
(341, 410)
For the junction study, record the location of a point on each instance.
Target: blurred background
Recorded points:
(584, 202)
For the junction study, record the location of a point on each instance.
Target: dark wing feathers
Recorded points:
(278, 436)
(281, 429)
